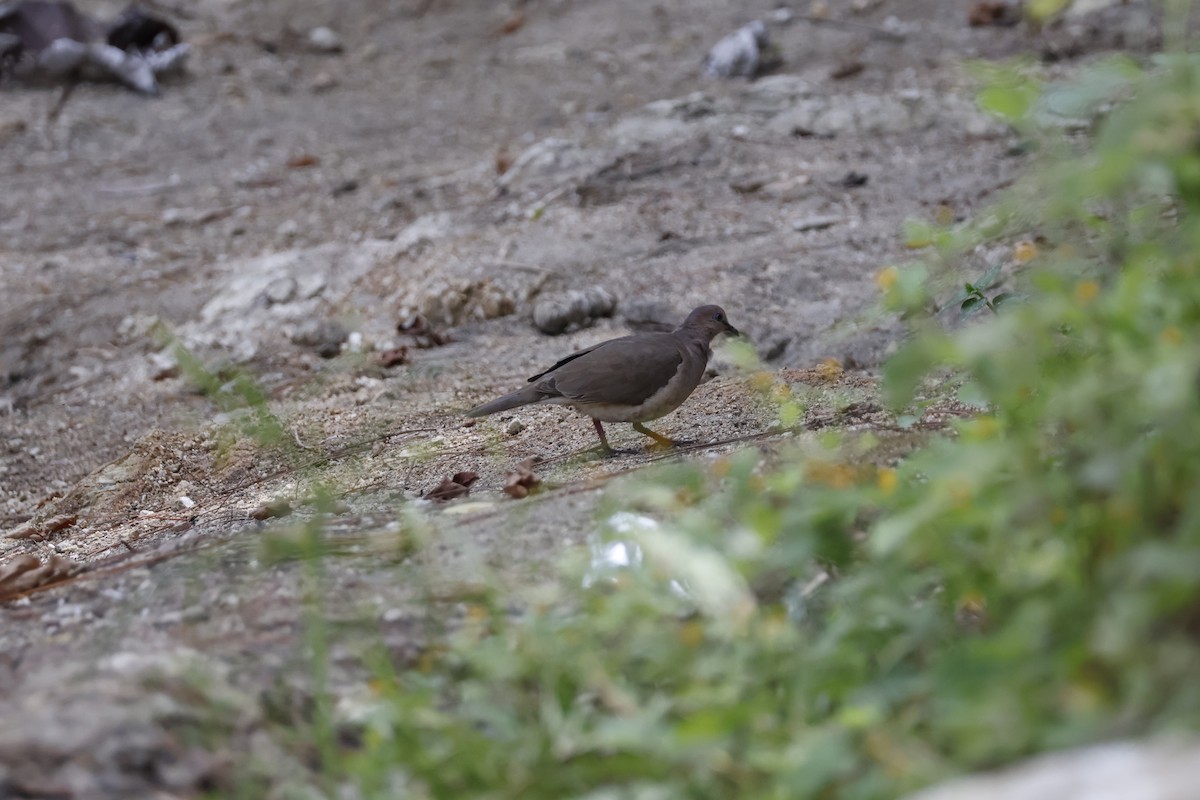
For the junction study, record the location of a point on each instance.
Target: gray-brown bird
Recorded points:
(631, 379)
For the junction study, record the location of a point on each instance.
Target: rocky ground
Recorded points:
(470, 167)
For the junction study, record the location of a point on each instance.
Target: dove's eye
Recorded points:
(719, 317)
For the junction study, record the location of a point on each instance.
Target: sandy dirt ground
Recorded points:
(470, 162)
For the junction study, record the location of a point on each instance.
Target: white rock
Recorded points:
(738, 54)
(325, 40)
(1165, 770)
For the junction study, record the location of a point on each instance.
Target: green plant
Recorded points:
(833, 624)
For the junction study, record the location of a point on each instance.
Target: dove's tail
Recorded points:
(521, 397)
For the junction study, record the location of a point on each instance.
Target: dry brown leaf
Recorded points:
(394, 357)
(502, 160)
(303, 160)
(55, 524)
(26, 572)
(847, 69)
(23, 531)
(994, 12)
(521, 482)
(271, 509)
(422, 332)
(466, 477)
(511, 25)
(17, 567)
(43, 529)
(453, 487)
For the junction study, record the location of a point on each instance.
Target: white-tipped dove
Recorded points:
(631, 379)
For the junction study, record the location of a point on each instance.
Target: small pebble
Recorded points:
(280, 290)
(323, 82)
(325, 40)
(324, 336)
(514, 427)
(739, 54)
(558, 313)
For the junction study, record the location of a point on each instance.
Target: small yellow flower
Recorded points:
(829, 370)
(983, 428)
(691, 634)
(960, 492)
(1082, 695)
(1121, 510)
(886, 278)
(762, 382)
(1058, 515)
(1086, 292)
(972, 602)
(685, 497)
(886, 480)
(1172, 335)
(831, 474)
(781, 393)
(776, 626)
(1025, 251)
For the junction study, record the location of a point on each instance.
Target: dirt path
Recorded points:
(280, 200)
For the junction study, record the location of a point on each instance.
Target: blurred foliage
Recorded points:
(235, 392)
(837, 626)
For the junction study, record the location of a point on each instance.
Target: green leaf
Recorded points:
(971, 394)
(918, 234)
(990, 278)
(904, 371)
(1042, 10)
(1011, 103)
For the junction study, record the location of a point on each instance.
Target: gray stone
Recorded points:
(558, 313)
(788, 189)
(280, 290)
(648, 130)
(689, 107)
(447, 302)
(775, 93)
(322, 335)
(644, 314)
(804, 119)
(739, 54)
(1165, 770)
(551, 157)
